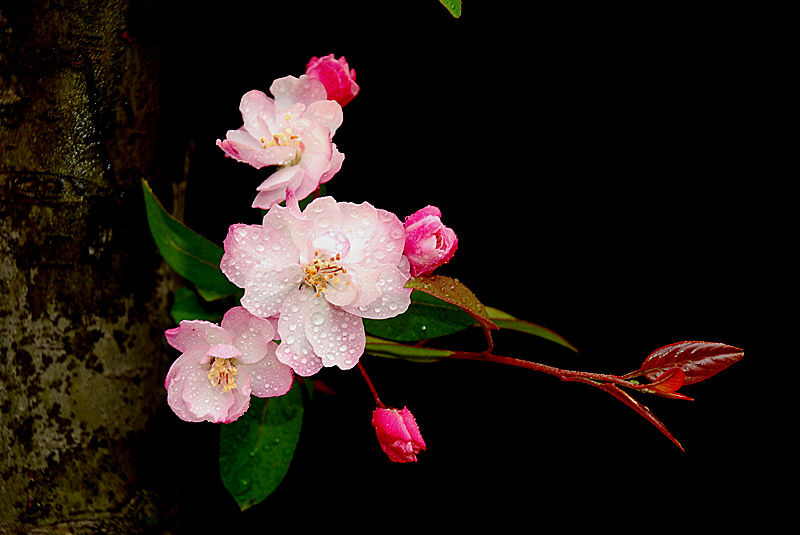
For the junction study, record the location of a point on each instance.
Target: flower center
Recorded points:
(285, 138)
(222, 374)
(322, 272)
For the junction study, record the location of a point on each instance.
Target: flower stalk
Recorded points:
(564, 375)
(378, 401)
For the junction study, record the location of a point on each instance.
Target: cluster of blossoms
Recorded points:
(309, 276)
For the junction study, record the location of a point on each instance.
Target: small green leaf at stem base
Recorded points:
(256, 449)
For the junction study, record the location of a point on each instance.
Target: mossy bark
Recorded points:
(82, 297)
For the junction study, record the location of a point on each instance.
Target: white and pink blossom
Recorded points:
(292, 131)
(320, 271)
(221, 365)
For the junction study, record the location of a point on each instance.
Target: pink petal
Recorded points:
(258, 113)
(325, 215)
(273, 189)
(269, 376)
(251, 335)
(337, 336)
(192, 333)
(223, 351)
(249, 248)
(394, 298)
(337, 158)
(326, 112)
(365, 281)
(265, 291)
(176, 380)
(289, 90)
(295, 350)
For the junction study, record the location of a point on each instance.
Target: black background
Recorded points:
(586, 157)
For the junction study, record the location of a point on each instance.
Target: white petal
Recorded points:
(394, 298)
(265, 291)
(269, 376)
(295, 350)
(337, 336)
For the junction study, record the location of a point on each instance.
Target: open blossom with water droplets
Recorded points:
(320, 271)
(292, 131)
(429, 244)
(398, 434)
(337, 77)
(221, 365)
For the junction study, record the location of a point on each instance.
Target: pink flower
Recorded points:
(429, 244)
(293, 131)
(220, 366)
(320, 271)
(398, 434)
(337, 77)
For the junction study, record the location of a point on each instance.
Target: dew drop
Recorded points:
(317, 318)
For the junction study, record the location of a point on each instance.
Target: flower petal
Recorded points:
(223, 351)
(289, 90)
(328, 113)
(192, 333)
(269, 376)
(295, 350)
(337, 336)
(265, 291)
(251, 335)
(258, 112)
(251, 248)
(394, 298)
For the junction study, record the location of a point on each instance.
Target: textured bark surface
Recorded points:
(82, 304)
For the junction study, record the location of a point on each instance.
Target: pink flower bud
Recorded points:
(337, 77)
(398, 434)
(429, 244)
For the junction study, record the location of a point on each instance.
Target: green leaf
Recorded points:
(454, 292)
(192, 256)
(390, 349)
(256, 450)
(187, 306)
(453, 6)
(426, 317)
(507, 321)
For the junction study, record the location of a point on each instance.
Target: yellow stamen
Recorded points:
(321, 273)
(221, 374)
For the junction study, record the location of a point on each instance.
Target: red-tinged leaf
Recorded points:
(666, 385)
(630, 402)
(669, 381)
(697, 360)
(454, 292)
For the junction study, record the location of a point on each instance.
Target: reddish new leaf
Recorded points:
(666, 385)
(697, 360)
(623, 396)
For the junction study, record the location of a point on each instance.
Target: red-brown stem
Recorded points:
(535, 366)
(378, 401)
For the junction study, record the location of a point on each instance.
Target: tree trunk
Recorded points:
(82, 301)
